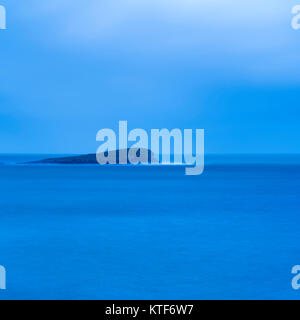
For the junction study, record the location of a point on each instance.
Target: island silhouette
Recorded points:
(92, 158)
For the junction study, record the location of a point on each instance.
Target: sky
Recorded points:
(69, 68)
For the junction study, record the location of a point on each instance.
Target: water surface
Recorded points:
(99, 232)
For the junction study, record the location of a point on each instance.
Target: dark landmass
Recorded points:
(92, 159)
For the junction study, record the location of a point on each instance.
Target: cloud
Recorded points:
(95, 21)
(251, 34)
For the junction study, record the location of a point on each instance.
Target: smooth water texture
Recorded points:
(104, 232)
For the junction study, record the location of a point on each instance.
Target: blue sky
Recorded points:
(70, 68)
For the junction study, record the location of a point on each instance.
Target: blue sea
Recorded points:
(143, 232)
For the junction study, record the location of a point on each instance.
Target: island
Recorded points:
(92, 158)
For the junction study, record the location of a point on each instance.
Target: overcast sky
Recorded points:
(69, 68)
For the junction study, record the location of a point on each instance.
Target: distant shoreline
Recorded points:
(145, 156)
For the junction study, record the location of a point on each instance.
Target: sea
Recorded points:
(150, 232)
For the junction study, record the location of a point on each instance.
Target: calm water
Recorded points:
(71, 232)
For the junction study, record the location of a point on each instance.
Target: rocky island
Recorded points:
(92, 158)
